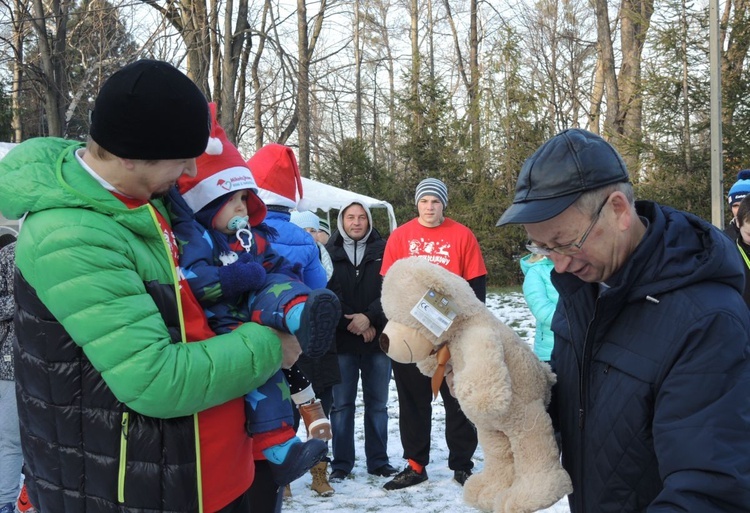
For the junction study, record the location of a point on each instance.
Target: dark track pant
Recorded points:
(415, 419)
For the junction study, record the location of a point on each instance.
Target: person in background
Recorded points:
(451, 245)
(541, 297)
(127, 401)
(325, 370)
(11, 458)
(312, 225)
(324, 233)
(357, 252)
(736, 194)
(651, 350)
(228, 260)
(275, 169)
(742, 220)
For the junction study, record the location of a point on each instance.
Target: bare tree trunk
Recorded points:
(471, 82)
(254, 71)
(596, 96)
(52, 61)
(607, 58)
(431, 39)
(197, 39)
(733, 61)
(390, 144)
(189, 18)
(476, 136)
(234, 46)
(686, 132)
(19, 16)
(635, 19)
(306, 50)
(216, 50)
(303, 90)
(357, 72)
(415, 58)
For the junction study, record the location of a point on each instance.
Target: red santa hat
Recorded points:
(221, 171)
(274, 167)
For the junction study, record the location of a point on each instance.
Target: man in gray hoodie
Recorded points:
(356, 250)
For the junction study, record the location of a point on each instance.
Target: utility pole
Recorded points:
(717, 153)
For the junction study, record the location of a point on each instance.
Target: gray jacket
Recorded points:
(7, 308)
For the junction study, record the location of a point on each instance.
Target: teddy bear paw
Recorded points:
(481, 489)
(533, 492)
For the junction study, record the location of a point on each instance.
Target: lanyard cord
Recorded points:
(744, 255)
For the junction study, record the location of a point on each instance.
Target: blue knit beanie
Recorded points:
(741, 187)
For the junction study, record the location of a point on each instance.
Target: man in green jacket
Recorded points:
(127, 401)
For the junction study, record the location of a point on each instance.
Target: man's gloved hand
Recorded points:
(241, 276)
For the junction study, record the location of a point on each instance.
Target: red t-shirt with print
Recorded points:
(450, 245)
(227, 468)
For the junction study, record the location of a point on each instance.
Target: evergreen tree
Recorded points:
(6, 129)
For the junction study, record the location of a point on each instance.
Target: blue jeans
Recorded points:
(376, 373)
(11, 458)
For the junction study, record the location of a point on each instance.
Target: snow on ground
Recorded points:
(362, 492)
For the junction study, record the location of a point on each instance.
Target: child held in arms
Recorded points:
(231, 267)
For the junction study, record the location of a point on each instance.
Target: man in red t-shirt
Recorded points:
(451, 245)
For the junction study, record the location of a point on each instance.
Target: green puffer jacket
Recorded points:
(108, 395)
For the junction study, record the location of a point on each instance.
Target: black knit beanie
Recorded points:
(150, 110)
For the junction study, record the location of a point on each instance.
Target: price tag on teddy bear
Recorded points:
(435, 312)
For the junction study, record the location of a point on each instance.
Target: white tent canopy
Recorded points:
(318, 195)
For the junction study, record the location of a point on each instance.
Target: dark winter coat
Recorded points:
(358, 289)
(653, 376)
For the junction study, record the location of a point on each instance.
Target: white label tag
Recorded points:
(435, 312)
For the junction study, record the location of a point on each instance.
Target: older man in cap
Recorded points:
(651, 337)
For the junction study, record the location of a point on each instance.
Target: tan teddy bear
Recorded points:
(500, 384)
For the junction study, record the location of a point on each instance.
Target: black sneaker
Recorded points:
(406, 478)
(461, 476)
(385, 471)
(337, 476)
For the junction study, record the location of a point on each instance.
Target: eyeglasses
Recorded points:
(573, 247)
